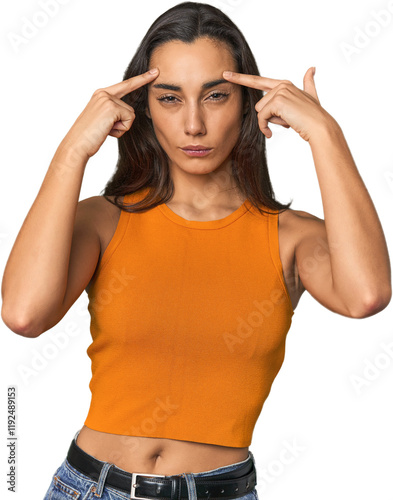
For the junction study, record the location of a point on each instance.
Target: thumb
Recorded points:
(309, 83)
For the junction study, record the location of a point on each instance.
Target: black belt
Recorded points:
(232, 484)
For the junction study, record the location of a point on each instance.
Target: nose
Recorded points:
(194, 123)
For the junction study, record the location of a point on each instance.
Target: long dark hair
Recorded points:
(142, 162)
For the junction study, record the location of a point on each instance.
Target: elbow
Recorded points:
(19, 324)
(373, 303)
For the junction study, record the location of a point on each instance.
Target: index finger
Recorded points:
(123, 88)
(253, 81)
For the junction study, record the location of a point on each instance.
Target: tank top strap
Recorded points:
(275, 250)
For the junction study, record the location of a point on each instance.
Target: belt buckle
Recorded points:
(133, 483)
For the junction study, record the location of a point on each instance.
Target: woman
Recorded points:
(192, 268)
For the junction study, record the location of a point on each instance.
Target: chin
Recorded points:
(199, 170)
(197, 166)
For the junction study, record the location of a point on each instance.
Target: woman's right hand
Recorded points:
(105, 114)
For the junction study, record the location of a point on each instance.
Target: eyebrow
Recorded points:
(206, 85)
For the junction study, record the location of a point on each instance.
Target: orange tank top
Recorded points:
(188, 323)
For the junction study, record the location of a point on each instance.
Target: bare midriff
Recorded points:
(157, 455)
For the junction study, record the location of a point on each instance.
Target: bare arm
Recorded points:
(58, 246)
(360, 275)
(352, 274)
(35, 277)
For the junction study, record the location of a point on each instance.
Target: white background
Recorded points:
(343, 436)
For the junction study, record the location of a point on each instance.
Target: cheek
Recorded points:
(162, 125)
(227, 124)
(155, 112)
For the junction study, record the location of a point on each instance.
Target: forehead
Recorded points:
(195, 62)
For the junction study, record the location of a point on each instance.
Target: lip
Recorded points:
(197, 147)
(196, 150)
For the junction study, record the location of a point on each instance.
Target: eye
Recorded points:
(166, 98)
(221, 95)
(216, 96)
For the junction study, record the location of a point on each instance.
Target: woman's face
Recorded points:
(184, 112)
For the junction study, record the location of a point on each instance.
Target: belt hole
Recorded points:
(247, 485)
(222, 491)
(236, 489)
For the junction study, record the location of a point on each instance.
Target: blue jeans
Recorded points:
(69, 483)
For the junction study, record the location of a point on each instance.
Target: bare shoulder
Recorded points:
(296, 218)
(101, 213)
(100, 204)
(297, 224)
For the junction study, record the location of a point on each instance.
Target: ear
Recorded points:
(147, 112)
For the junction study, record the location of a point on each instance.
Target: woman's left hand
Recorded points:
(285, 104)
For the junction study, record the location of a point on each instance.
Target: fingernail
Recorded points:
(227, 73)
(153, 71)
(314, 70)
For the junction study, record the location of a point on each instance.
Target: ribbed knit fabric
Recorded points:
(188, 321)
